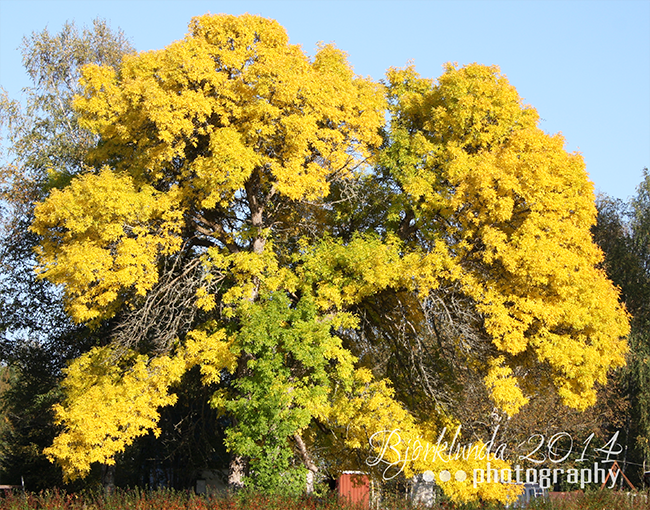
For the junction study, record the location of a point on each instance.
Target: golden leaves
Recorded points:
(366, 413)
(210, 137)
(108, 405)
(211, 351)
(230, 97)
(514, 210)
(102, 237)
(504, 387)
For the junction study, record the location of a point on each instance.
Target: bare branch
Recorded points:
(168, 310)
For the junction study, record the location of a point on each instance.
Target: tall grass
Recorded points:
(174, 500)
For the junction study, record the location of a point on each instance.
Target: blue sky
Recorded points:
(584, 64)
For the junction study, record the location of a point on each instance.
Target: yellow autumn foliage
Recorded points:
(366, 417)
(114, 397)
(232, 105)
(108, 405)
(231, 97)
(513, 210)
(211, 351)
(102, 239)
(224, 147)
(503, 387)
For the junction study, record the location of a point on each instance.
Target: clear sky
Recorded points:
(584, 64)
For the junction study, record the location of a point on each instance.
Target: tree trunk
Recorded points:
(108, 478)
(238, 463)
(237, 472)
(311, 467)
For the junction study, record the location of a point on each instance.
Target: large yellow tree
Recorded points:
(513, 210)
(243, 213)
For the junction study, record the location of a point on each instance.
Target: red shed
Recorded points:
(355, 487)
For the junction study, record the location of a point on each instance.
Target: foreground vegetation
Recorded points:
(173, 500)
